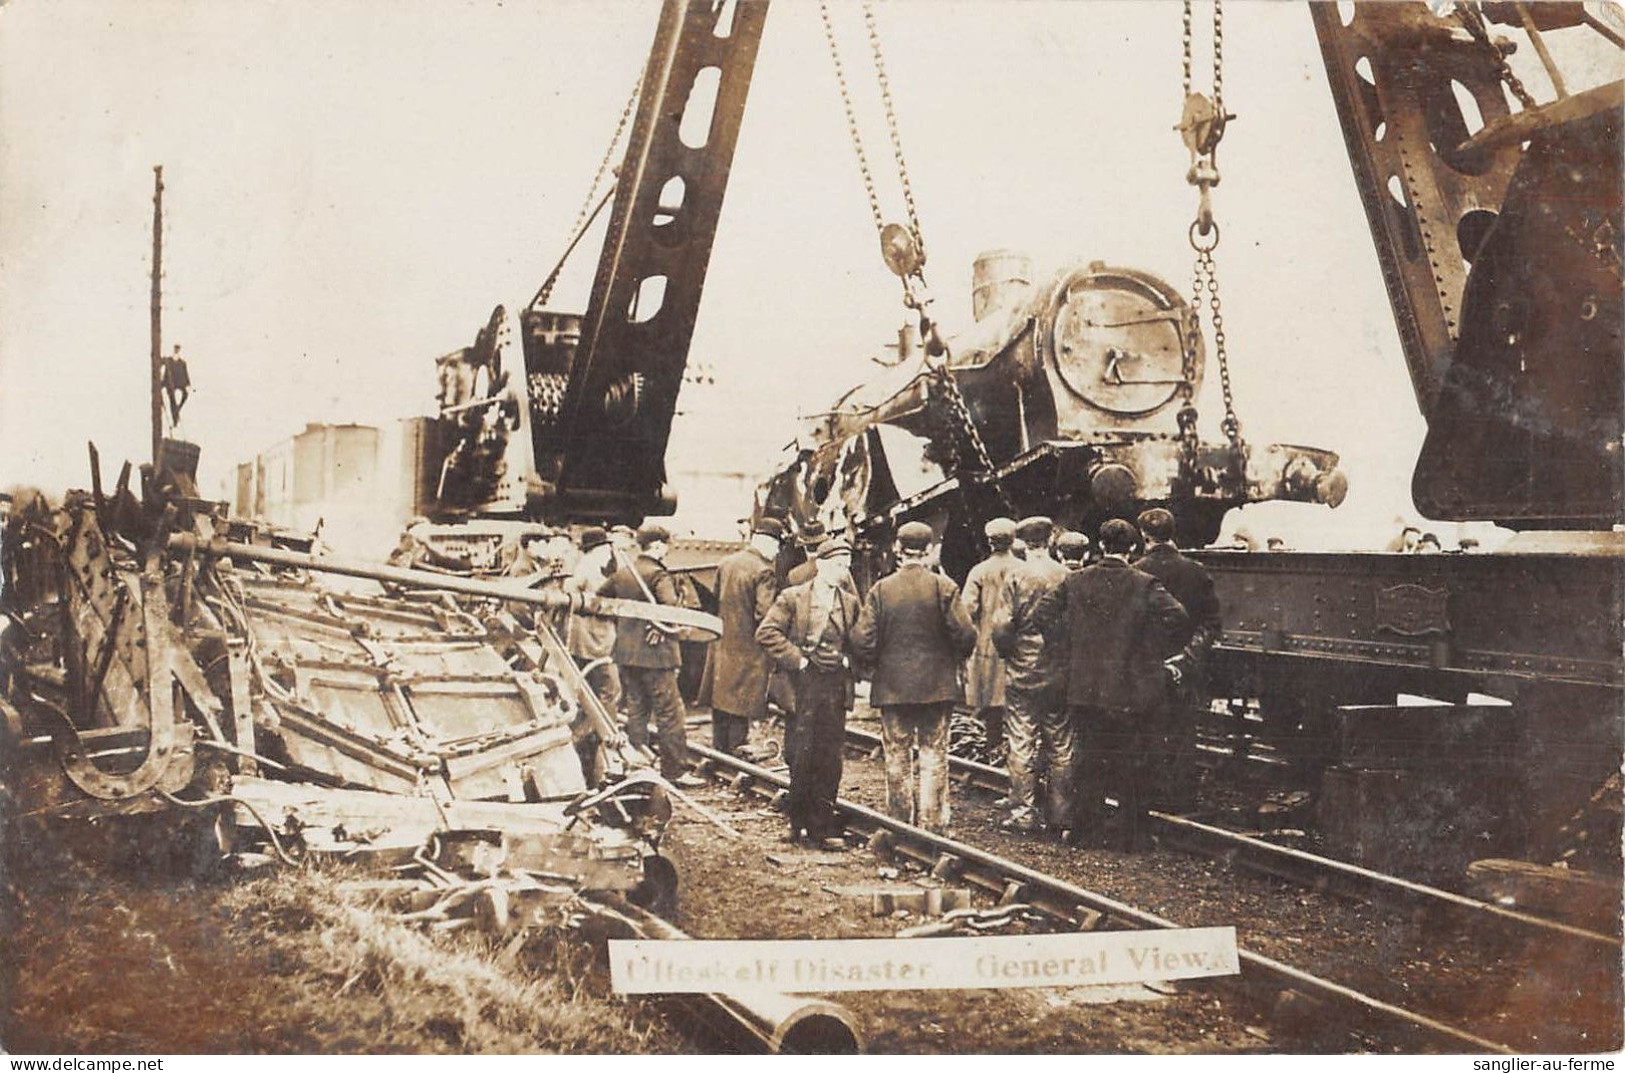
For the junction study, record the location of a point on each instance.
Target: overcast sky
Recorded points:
(352, 186)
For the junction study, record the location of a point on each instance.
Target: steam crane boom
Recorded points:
(610, 449)
(1499, 233)
(559, 417)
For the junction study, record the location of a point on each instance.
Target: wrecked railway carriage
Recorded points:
(159, 658)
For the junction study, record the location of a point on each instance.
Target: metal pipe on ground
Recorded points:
(780, 1023)
(1267, 971)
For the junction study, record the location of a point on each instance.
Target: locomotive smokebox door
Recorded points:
(1120, 345)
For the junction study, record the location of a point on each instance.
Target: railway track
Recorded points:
(1262, 980)
(1319, 873)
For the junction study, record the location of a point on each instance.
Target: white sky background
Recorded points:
(352, 186)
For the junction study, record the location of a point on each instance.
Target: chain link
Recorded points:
(1474, 22)
(892, 131)
(1206, 273)
(950, 385)
(851, 116)
(1204, 239)
(956, 398)
(587, 211)
(1185, 40)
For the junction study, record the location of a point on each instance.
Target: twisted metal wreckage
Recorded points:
(160, 653)
(160, 658)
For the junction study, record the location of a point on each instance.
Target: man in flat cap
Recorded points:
(1038, 730)
(648, 656)
(590, 639)
(1116, 626)
(739, 668)
(808, 541)
(804, 557)
(1187, 669)
(913, 632)
(986, 599)
(1073, 549)
(808, 632)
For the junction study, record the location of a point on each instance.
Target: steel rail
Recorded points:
(1309, 869)
(1074, 906)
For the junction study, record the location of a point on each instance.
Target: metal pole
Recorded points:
(512, 590)
(781, 1023)
(1541, 50)
(157, 371)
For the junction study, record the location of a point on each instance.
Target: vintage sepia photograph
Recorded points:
(900, 527)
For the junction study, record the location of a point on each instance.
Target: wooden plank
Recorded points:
(242, 708)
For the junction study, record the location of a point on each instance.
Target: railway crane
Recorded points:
(1497, 223)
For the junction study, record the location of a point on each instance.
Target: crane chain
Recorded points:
(851, 117)
(1474, 23)
(892, 130)
(587, 212)
(1206, 279)
(1204, 239)
(1185, 42)
(917, 301)
(956, 399)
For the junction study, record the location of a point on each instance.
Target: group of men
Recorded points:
(807, 642)
(1090, 667)
(1104, 661)
(1088, 664)
(631, 666)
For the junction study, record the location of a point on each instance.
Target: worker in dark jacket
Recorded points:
(648, 656)
(1115, 626)
(913, 632)
(1188, 583)
(808, 633)
(745, 590)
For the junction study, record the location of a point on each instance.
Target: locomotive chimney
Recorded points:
(999, 278)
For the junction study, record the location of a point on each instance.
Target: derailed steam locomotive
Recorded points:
(1071, 397)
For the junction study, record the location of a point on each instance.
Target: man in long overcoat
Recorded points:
(1190, 584)
(740, 669)
(808, 632)
(986, 597)
(913, 632)
(1116, 626)
(648, 655)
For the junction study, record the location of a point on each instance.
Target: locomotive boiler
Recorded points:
(1071, 396)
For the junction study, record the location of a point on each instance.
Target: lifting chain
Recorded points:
(909, 265)
(588, 213)
(956, 399)
(892, 132)
(916, 267)
(1206, 278)
(1473, 20)
(1202, 126)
